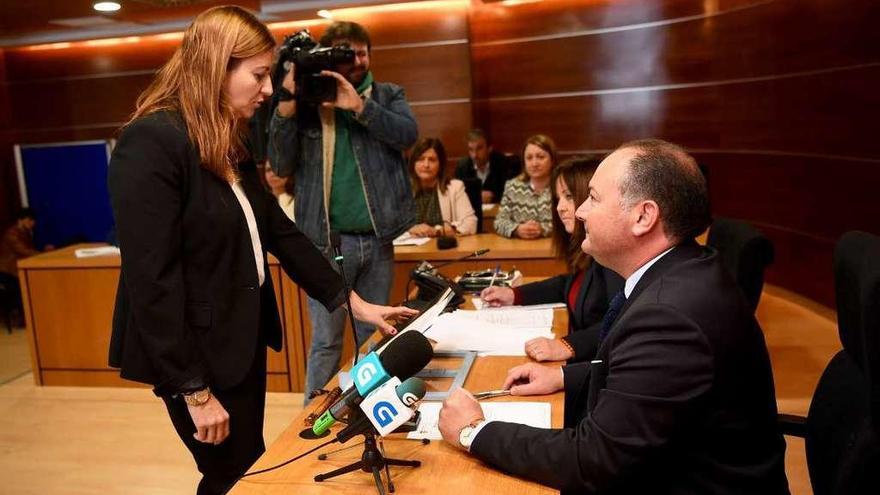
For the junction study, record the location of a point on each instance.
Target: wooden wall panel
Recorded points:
(8, 188)
(431, 21)
(493, 22)
(776, 96)
(796, 114)
(26, 65)
(802, 203)
(447, 76)
(721, 48)
(449, 122)
(75, 102)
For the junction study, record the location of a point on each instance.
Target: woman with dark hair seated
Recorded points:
(442, 205)
(587, 287)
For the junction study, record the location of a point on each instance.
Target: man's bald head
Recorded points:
(666, 174)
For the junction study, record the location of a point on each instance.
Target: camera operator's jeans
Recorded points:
(369, 270)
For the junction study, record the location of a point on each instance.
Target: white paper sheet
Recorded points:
(96, 251)
(407, 239)
(479, 305)
(454, 332)
(511, 316)
(535, 414)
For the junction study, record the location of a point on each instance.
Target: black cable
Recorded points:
(348, 291)
(261, 471)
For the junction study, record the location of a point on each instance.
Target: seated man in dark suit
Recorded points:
(680, 397)
(490, 166)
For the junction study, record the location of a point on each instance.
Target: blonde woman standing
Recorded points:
(195, 308)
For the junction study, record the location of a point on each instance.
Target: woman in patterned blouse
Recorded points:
(526, 209)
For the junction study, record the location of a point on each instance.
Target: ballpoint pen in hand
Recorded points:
(494, 275)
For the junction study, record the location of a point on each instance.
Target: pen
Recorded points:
(491, 394)
(494, 274)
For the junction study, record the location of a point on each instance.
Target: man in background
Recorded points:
(17, 243)
(491, 167)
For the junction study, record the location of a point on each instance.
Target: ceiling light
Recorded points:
(326, 14)
(107, 6)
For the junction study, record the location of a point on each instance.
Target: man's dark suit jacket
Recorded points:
(679, 400)
(501, 169)
(584, 320)
(189, 308)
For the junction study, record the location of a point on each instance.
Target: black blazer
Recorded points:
(189, 308)
(680, 399)
(500, 170)
(585, 319)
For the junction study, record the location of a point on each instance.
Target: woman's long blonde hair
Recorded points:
(191, 82)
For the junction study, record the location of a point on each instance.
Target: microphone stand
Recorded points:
(337, 253)
(372, 461)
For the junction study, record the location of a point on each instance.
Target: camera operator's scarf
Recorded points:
(348, 204)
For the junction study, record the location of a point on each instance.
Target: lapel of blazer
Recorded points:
(686, 250)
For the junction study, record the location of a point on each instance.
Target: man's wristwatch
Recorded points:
(198, 398)
(466, 435)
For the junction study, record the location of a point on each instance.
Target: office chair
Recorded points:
(745, 252)
(474, 189)
(841, 427)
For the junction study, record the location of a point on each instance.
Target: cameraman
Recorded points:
(350, 177)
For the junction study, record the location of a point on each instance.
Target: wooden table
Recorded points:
(444, 469)
(535, 258)
(68, 304)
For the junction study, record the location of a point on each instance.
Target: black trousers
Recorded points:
(222, 464)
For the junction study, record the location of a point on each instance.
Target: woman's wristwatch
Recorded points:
(197, 398)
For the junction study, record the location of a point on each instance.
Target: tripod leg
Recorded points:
(401, 462)
(324, 456)
(377, 477)
(387, 468)
(336, 472)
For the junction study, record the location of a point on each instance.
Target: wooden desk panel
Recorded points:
(535, 258)
(444, 469)
(69, 309)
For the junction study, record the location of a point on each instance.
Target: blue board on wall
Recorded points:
(65, 184)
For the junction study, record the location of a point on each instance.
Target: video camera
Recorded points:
(309, 58)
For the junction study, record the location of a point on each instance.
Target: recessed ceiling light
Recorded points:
(107, 6)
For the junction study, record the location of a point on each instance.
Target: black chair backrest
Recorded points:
(745, 252)
(474, 190)
(857, 287)
(842, 442)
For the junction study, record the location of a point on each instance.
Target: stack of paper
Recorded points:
(498, 333)
(478, 303)
(535, 414)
